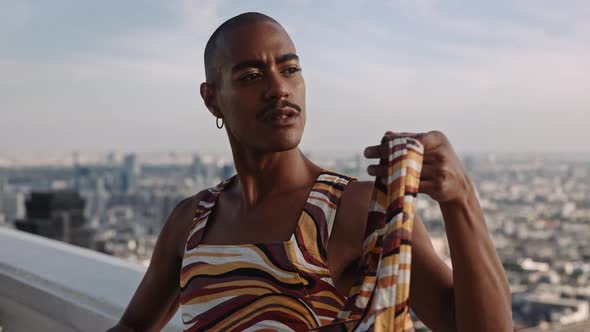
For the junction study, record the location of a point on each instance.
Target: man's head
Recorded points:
(254, 83)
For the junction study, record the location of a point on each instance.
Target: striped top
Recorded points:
(379, 301)
(278, 286)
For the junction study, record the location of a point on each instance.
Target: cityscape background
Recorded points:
(103, 131)
(537, 210)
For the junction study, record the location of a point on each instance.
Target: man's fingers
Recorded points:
(377, 170)
(428, 172)
(403, 134)
(426, 187)
(427, 177)
(377, 151)
(432, 158)
(382, 150)
(433, 139)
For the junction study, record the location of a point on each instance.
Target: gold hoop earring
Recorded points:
(217, 123)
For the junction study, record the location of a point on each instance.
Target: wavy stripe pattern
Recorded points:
(280, 286)
(379, 299)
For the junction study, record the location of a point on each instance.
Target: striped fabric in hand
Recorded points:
(379, 299)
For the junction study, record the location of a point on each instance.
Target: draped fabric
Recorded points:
(379, 299)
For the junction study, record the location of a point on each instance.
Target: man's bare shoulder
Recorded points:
(351, 216)
(187, 207)
(357, 194)
(183, 208)
(174, 234)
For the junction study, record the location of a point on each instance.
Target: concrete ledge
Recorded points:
(48, 285)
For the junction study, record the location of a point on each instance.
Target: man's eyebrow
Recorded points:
(287, 57)
(247, 64)
(260, 64)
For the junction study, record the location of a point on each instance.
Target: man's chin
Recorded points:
(283, 140)
(282, 146)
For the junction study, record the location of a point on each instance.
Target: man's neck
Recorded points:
(264, 174)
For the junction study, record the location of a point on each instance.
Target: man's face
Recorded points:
(262, 92)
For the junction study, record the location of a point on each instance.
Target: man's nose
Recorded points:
(277, 87)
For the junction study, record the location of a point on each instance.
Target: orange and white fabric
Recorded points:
(379, 300)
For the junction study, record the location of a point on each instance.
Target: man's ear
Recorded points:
(208, 95)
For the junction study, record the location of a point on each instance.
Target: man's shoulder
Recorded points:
(354, 202)
(191, 203)
(357, 190)
(350, 221)
(175, 232)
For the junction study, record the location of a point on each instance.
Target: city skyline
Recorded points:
(536, 211)
(495, 77)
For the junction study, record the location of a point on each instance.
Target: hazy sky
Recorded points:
(124, 75)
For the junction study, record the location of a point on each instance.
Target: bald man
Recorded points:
(255, 89)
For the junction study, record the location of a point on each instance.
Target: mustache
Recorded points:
(281, 104)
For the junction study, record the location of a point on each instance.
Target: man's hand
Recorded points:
(479, 280)
(443, 177)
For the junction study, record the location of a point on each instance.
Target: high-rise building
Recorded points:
(196, 168)
(57, 215)
(12, 205)
(96, 197)
(130, 173)
(227, 171)
(111, 159)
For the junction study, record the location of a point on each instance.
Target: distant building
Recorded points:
(164, 204)
(96, 197)
(196, 168)
(130, 173)
(12, 205)
(227, 171)
(57, 215)
(111, 159)
(532, 310)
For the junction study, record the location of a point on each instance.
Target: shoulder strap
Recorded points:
(206, 200)
(335, 184)
(323, 203)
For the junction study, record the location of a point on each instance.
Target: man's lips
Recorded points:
(281, 109)
(279, 113)
(280, 118)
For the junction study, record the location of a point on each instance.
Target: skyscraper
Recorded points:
(130, 173)
(57, 215)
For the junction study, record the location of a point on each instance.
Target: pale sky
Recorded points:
(124, 76)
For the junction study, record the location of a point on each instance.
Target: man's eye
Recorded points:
(250, 77)
(292, 70)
